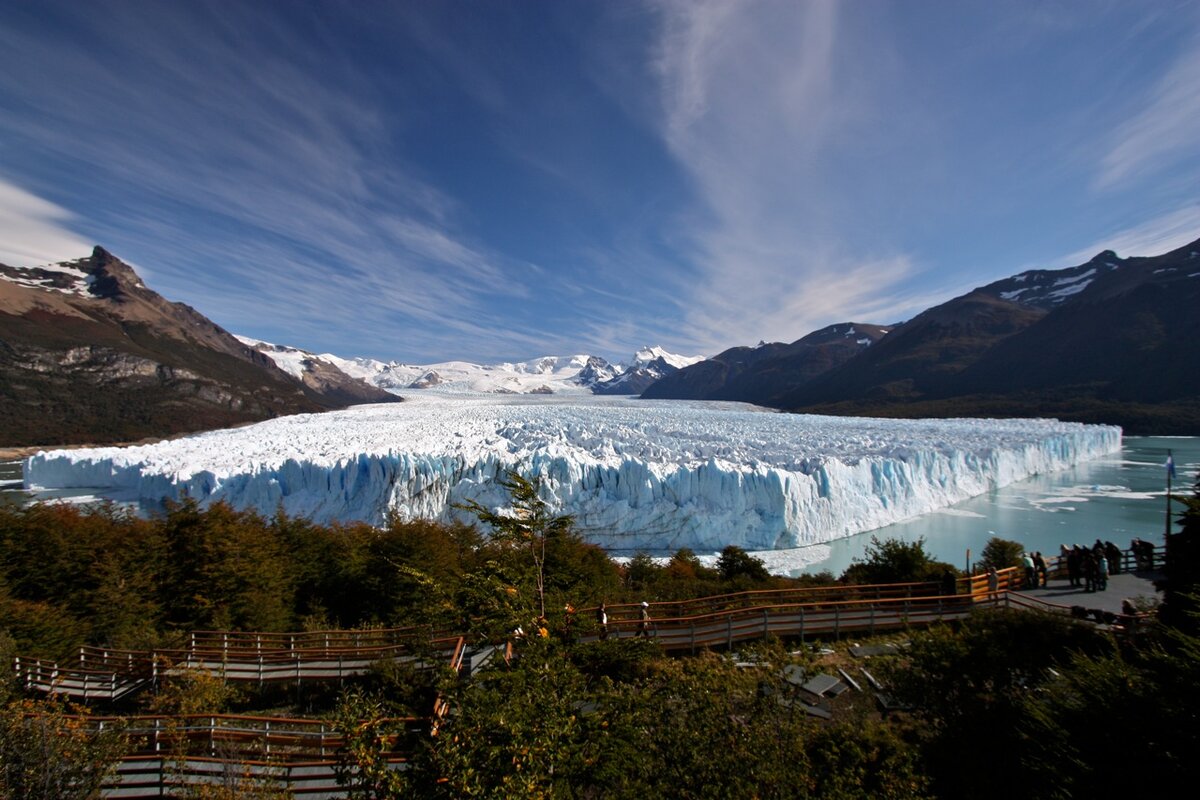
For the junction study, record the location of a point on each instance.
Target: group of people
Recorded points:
(1143, 553)
(1090, 566)
(1087, 567)
(1035, 570)
(643, 626)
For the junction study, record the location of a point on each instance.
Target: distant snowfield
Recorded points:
(637, 474)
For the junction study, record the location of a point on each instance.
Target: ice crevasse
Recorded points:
(654, 475)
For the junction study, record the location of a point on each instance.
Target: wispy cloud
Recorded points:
(283, 151)
(754, 98)
(34, 231)
(1167, 128)
(1150, 238)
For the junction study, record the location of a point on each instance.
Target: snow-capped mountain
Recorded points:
(1049, 288)
(648, 365)
(577, 374)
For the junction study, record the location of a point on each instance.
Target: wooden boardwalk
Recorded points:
(170, 754)
(106, 674)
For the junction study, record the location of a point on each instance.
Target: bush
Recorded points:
(895, 561)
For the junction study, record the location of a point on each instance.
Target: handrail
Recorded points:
(736, 599)
(122, 672)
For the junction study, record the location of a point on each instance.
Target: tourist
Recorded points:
(1030, 571)
(993, 583)
(949, 585)
(643, 628)
(602, 620)
(1113, 554)
(1039, 566)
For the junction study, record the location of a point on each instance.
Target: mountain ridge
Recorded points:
(88, 353)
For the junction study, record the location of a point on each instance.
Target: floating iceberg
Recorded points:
(637, 474)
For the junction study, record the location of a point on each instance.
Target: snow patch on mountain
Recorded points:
(51, 277)
(636, 474)
(575, 374)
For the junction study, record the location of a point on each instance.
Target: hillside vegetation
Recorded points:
(1006, 698)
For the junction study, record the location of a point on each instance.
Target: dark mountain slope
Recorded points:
(1113, 340)
(1133, 335)
(922, 356)
(761, 374)
(89, 354)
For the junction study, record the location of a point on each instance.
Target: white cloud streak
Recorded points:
(1150, 238)
(753, 100)
(1168, 126)
(34, 231)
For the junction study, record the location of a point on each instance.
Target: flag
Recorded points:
(1170, 465)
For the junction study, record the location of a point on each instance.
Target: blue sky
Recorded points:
(501, 180)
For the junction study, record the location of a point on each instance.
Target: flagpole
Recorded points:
(1170, 469)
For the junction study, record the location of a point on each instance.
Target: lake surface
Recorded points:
(1116, 498)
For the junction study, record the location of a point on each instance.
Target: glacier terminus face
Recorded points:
(636, 474)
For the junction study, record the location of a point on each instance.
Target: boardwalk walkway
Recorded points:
(170, 754)
(1121, 587)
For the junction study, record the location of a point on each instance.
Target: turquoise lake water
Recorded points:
(1116, 498)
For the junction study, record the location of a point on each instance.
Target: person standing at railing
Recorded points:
(602, 620)
(1030, 571)
(1113, 554)
(1074, 559)
(1039, 570)
(993, 583)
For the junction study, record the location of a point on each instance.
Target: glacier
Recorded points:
(636, 474)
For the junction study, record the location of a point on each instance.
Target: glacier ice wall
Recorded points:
(636, 474)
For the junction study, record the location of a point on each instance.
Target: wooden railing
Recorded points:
(796, 620)
(159, 776)
(760, 597)
(112, 674)
(244, 736)
(168, 755)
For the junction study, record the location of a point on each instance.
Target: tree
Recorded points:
(47, 753)
(894, 561)
(735, 563)
(527, 526)
(1118, 724)
(967, 687)
(1001, 554)
(372, 733)
(1181, 595)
